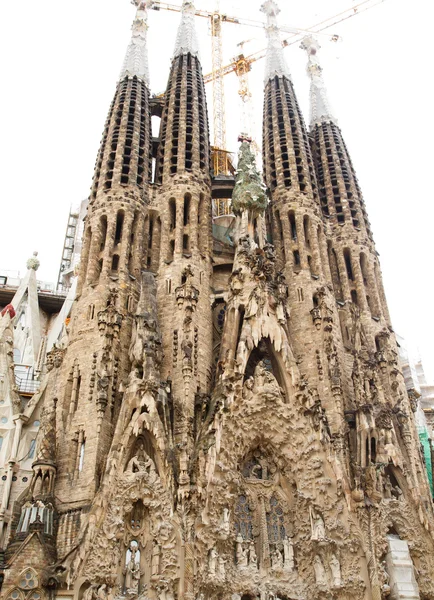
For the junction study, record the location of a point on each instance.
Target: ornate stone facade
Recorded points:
(272, 455)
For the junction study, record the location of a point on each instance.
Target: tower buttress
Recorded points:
(89, 391)
(376, 404)
(184, 204)
(297, 224)
(354, 262)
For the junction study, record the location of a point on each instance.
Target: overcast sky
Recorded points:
(60, 63)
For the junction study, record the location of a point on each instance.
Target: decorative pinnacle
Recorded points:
(275, 59)
(34, 262)
(320, 110)
(186, 39)
(136, 58)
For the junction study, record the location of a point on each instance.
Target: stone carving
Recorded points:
(288, 552)
(335, 568)
(320, 573)
(212, 561)
(221, 569)
(132, 569)
(155, 562)
(253, 559)
(317, 526)
(241, 553)
(276, 559)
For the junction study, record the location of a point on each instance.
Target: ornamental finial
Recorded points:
(136, 58)
(34, 262)
(186, 39)
(320, 110)
(275, 59)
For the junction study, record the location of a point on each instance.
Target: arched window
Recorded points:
(187, 201)
(292, 225)
(243, 518)
(275, 522)
(172, 213)
(15, 595)
(119, 226)
(115, 262)
(32, 448)
(28, 580)
(347, 259)
(103, 231)
(81, 458)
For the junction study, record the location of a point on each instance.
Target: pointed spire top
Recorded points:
(275, 59)
(320, 109)
(186, 39)
(136, 58)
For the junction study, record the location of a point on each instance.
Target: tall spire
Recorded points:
(320, 110)
(136, 58)
(186, 39)
(275, 59)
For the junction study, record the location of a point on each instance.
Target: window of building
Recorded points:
(32, 448)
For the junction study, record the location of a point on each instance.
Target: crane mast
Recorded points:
(220, 155)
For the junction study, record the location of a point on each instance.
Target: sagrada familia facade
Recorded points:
(223, 425)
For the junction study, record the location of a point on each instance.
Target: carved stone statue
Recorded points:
(221, 570)
(335, 568)
(253, 559)
(212, 561)
(241, 553)
(276, 559)
(384, 579)
(288, 553)
(320, 574)
(132, 570)
(318, 527)
(155, 560)
(225, 526)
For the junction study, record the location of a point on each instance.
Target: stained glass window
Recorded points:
(243, 518)
(275, 521)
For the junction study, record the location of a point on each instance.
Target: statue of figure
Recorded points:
(335, 568)
(387, 488)
(225, 526)
(155, 559)
(212, 561)
(142, 463)
(165, 589)
(248, 388)
(253, 559)
(320, 574)
(90, 593)
(221, 571)
(397, 492)
(384, 578)
(318, 527)
(132, 571)
(288, 553)
(276, 559)
(241, 554)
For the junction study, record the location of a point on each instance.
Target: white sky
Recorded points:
(60, 63)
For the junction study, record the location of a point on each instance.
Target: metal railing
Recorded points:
(27, 386)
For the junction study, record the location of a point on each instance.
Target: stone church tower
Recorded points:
(223, 424)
